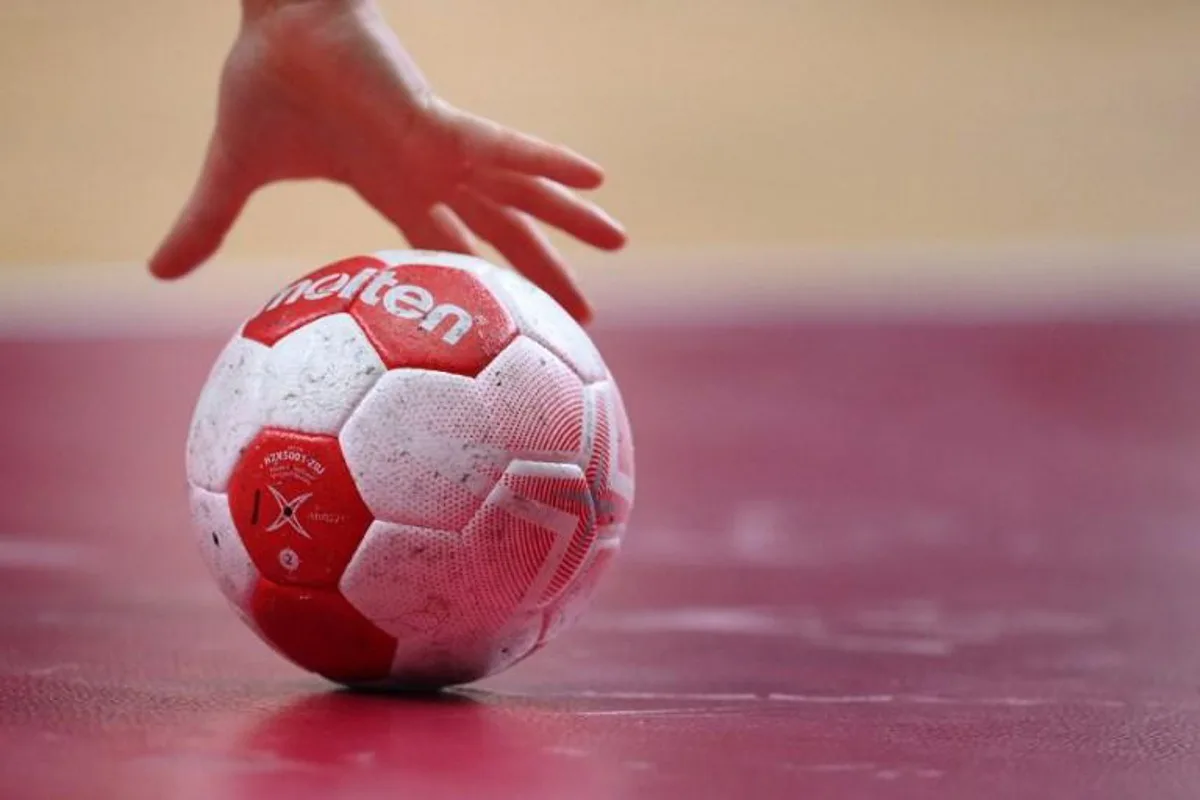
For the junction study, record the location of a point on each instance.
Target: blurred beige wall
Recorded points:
(826, 123)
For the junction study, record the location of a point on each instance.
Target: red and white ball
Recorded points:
(409, 468)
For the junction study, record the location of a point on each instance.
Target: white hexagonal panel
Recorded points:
(419, 586)
(425, 448)
(221, 547)
(418, 449)
(534, 402)
(227, 414)
(314, 377)
(410, 580)
(539, 317)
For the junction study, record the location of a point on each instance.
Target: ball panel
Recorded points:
(227, 414)
(422, 587)
(427, 447)
(221, 547)
(297, 509)
(319, 631)
(472, 603)
(534, 403)
(408, 580)
(625, 459)
(513, 560)
(314, 377)
(612, 489)
(565, 610)
(465, 658)
(542, 319)
(555, 496)
(328, 290)
(418, 449)
(433, 317)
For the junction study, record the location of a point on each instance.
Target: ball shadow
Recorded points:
(356, 742)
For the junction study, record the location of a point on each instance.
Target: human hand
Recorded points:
(323, 89)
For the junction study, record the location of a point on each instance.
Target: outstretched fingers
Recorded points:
(488, 145)
(425, 226)
(437, 228)
(554, 205)
(525, 247)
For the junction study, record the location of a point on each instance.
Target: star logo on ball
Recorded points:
(288, 511)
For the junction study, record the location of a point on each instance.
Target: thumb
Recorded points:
(214, 205)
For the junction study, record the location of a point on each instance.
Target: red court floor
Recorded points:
(905, 560)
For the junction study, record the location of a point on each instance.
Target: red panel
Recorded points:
(328, 290)
(321, 632)
(296, 507)
(432, 317)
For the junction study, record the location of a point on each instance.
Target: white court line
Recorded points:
(676, 287)
(17, 552)
(791, 698)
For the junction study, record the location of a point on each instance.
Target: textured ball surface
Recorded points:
(409, 468)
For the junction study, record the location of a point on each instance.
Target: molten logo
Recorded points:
(375, 287)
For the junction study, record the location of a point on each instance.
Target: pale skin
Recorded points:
(323, 89)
